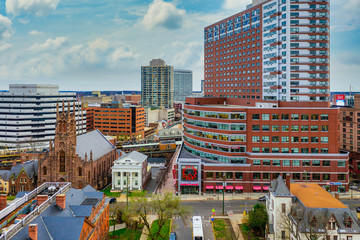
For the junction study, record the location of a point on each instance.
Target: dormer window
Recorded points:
(348, 223)
(331, 224)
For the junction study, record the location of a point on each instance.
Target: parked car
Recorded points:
(172, 236)
(262, 199)
(112, 200)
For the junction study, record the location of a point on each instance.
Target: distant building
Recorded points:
(133, 99)
(350, 133)
(183, 84)
(130, 167)
(28, 114)
(202, 86)
(57, 211)
(157, 84)
(81, 160)
(307, 211)
(95, 99)
(123, 123)
(4, 181)
(156, 115)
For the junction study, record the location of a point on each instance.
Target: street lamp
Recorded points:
(223, 190)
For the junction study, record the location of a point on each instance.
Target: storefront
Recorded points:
(189, 176)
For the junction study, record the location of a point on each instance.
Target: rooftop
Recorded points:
(313, 195)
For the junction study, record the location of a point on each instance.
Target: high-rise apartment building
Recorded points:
(157, 84)
(266, 110)
(183, 84)
(275, 50)
(28, 114)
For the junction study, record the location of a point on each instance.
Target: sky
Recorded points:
(101, 45)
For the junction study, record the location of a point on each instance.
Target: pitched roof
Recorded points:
(30, 168)
(5, 174)
(58, 224)
(133, 156)
(94, 142)
(314, 196)
(279, 187)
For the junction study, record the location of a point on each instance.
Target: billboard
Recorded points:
(339, 99)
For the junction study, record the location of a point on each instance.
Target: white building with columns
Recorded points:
(130, 167)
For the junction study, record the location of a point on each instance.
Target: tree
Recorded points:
(115, 214)
(164, 206)
(258, 220)
(299, 224)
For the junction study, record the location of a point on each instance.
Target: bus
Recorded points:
(197, 232)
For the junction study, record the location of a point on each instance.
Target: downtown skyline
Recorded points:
(101, 46)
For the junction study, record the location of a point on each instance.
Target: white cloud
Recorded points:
(237, 5)
(345, 15)
(190, 56)
(35, 32)
(5, 27)
(5, 46)
(49, 44)
(163, 14)
(30, 7)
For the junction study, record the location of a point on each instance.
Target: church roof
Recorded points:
(93, 141)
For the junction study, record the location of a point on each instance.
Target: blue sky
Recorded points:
(101, 45)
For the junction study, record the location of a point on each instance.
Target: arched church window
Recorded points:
(44, 170)
(62, 161)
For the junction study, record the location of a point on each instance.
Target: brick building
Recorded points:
(350, 134)
(81, 160)
(23, 177)
(124, 123)
(57, 211)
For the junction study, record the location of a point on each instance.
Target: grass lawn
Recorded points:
(222, 230)
(137, 193)
(165, 231)
(125, 234)
(244, 231)
(107, 192)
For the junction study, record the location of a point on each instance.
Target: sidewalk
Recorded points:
(144, 235)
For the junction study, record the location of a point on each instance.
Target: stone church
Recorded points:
(81, 160)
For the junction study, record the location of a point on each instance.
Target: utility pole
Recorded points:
(223, 208)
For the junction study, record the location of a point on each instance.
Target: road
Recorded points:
(183, 229)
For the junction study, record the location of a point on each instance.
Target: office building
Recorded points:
(183, 84)
(28, 114)
(275, 50)
(157, 115)
(306, 211)
(350, 134)
(125, 123)
(266, 111)
(157, 84)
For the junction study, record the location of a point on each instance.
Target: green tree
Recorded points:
(257, 220)
(164, 207)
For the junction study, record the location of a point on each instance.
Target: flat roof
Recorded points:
(312, 195)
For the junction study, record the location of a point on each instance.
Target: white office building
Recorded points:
(28, 114)
(183, 84)
(130, 172)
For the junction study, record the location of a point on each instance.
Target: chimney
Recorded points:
(3, 201)
(288, 181)
(337, 196)
(33, 231)
(41, 199)
(61, 200)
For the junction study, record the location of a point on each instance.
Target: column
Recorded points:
(140, 180)
(131, 182)
(121, 180)
(113, 180)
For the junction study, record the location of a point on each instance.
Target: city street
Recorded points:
(203, 208)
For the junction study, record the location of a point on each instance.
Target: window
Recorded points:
(326, 176)
(275, 116)
(80, 171)
(266, 176)
(304, 128)
(276, 162)
(265, 117)
(62, 161)
(283, 208)
(256, 116)
(314, 117)
(294, 116)
(341, 177)
(306, 163)
(256, 176)
(284, 116)
(326, 163)
(266, 162)
(316, 176)
(304, 117)
(316, 163)
(285, 150)
(275, 128)
(45, 170)
(238, 175)
(286, 163)
(296, 176)
(341, 163)
(256, 127)
(285, 128)
(209, 175)
(265, 139)
(265, 128)
(285, 139)
(275, 139)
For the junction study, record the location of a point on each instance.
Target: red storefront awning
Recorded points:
(220, 187)
(229, 187)
(209, 187)
(239, 187)
(257, 188)
(266, 188)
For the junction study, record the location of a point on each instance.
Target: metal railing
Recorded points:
(39, 209)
